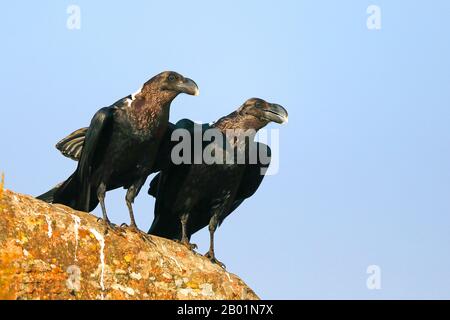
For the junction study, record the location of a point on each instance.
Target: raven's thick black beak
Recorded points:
(188, 86)
(276, 113)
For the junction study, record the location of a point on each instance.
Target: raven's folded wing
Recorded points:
(96, 137)
(253, 176)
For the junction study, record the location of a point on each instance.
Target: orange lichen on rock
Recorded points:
(53, 252)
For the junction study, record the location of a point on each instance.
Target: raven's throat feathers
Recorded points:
(150, 109)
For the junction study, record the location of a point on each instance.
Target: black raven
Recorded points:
(120, 147)
(204, 194)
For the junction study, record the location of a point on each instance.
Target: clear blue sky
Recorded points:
(365, 159)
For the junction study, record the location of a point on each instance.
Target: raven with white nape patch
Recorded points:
(120, 147)
(192, 196)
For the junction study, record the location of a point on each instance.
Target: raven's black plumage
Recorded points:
(120, 147)
(192, 196)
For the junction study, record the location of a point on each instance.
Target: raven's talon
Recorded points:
(109, 226)
(213, 259)
(187, 244)
(145, 237)
(190, 246)
(107, 222)
(134, 227)
(220, 264)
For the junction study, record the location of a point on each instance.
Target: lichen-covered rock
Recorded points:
(53, 252)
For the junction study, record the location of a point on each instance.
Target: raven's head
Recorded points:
(263, 112)
(171, 82)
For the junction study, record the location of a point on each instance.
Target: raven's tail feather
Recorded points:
(49, 195)
(69, 193)
(166, 230)
(153, 190)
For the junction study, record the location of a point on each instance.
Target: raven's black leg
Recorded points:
(184, 218)
(129, 198)
(213, 222)
(101, 191)
(132, 192)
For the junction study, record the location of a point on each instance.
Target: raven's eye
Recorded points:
(172, 77)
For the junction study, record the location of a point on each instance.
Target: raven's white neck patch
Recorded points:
(133, 95)
(129, 101)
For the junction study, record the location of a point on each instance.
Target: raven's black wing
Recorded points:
(97, 135)
(166, 185)
(75, 192)
(72, 146)
(252, 177)
(254, 172)
(251, 180)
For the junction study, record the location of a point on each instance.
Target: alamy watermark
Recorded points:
(373, 282)
(74, 19)
(234, 146)
(374, 19)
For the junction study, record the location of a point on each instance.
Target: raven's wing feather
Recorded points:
(96, 135)
(49, 195)
(81, 145)
(252, 177)
(72, 145)
(254, 172)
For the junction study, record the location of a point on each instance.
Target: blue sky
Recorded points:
(365, 159)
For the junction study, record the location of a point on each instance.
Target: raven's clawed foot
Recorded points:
(210, 255)
(132, 227)
(144, 236)
(187, 244)
(109, 226)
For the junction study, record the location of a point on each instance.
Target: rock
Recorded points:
(53, 252)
